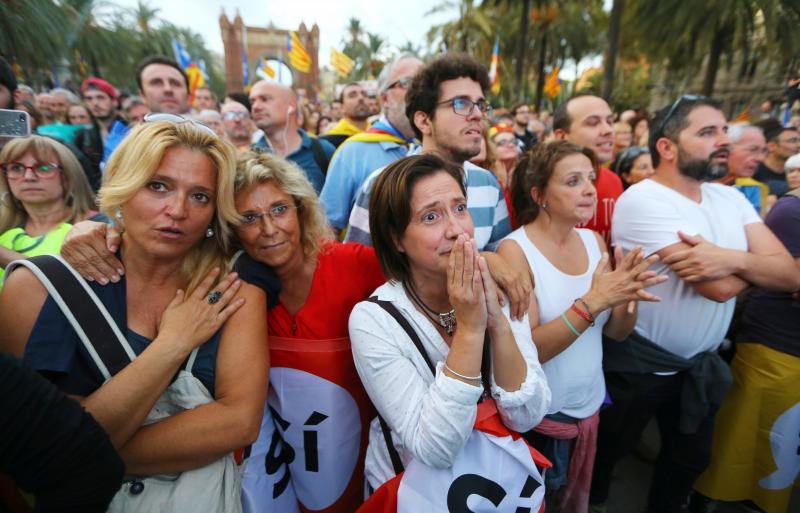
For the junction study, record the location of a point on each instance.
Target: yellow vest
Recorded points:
(17, 240)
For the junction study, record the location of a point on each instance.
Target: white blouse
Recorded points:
(430, 417)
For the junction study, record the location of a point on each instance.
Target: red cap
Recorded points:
(100, 85)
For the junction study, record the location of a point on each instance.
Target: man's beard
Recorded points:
(703, 170)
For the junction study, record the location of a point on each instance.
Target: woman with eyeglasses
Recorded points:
(633, 165)
(315, 390)
(506, 152)
(577, 300)
(43, 190)
(179, 379)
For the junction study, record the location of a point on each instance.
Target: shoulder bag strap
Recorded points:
(88, 316)
(320, 157)
(392, 310)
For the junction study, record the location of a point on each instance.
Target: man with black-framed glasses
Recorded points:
(712, 245)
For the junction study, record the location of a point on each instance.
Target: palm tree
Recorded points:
(465, 34)
(612, 47)
(668, 31)
(31, 31)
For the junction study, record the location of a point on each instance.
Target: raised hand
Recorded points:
(624, 284)
(194, 319)
(465, 286)
(90, 249)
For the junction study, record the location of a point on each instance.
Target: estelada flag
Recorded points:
(341, 62)
(494, 68)
(264, 69)
(298, 56)
(193, 71)
(497, 471)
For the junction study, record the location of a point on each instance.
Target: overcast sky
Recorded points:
(397, 20)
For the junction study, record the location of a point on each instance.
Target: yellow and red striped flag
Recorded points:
(341, 62)
(494, 68)
(298, 56)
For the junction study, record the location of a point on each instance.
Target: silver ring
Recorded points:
(214, 297)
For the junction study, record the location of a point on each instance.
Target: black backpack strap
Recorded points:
(89, 318)
(320, 157)
(403, 322)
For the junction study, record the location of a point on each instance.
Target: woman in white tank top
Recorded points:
(577, 299)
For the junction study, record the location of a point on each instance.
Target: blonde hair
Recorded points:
(77, 192)
(135, 161)
(255, 168)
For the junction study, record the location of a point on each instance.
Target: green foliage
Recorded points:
(367, 50)
(47, 35)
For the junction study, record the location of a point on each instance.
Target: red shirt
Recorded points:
(346, 274)
(609, 188)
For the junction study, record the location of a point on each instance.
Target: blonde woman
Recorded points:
(169, 185)
(43, 189)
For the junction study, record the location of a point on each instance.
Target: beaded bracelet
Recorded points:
(588, 310)
(468, 378)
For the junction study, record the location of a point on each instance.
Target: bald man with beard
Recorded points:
(274, 110)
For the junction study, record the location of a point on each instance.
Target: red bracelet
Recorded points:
(583, 315)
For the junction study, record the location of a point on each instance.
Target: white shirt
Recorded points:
(430, 417)
(575, 375)
(649, 214)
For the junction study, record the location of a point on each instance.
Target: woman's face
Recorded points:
(641, 127)
(570, 193)
(623, 136)
(78, 115)
(793, 178)
(506, 146)
(172, 212)
(642, 168)
(40, 182)
(438, 216)
(271, 232)
(323, 126)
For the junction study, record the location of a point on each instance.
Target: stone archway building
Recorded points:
(270, 43)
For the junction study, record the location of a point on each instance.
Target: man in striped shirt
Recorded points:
(446, 106)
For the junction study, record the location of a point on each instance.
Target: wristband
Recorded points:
(586, 307)
(570, 326)
(468, 378)
(583, 315)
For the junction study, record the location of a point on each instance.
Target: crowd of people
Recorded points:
(406, 302)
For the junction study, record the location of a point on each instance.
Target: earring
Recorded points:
(544, 205)
(118, 214)
(209, 232)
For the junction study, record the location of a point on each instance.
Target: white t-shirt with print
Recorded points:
(649, 214)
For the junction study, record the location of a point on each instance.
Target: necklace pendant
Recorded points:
(448, 321)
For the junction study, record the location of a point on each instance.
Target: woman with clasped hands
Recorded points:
(170, 186)
(438, 282)
(578, 298)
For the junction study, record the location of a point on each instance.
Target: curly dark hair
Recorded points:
(535, 169)
(424, 92)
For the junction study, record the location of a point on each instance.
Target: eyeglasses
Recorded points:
(505, 142)
(671, 112)
(791, 140)
(757, 150)
(403, 82)
(278, 213)
(231, 116)
(155, 117)
(16, 170)
(465, 107)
